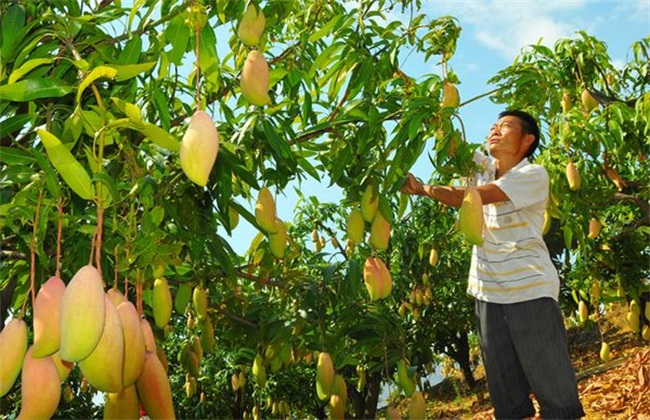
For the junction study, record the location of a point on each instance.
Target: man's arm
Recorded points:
(450, 195)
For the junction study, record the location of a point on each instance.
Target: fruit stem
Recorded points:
(57, 271)
(32, 252)
(198, 70)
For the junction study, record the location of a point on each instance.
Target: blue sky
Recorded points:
(493, 33)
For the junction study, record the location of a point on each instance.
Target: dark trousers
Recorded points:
(525, 351)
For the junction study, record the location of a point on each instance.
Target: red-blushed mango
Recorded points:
(134, 343)
(573, 176)
(324, 376)
(147, 333)
(450, 97)
(337, 409)
(104, 365)
(200, 301)
(386, 278)
(417, 407)
(199, 148)
(379, 232)
(62, 366)
(13, 346)
(369, 202)
(372, 278)
(123, 405)
(594, 228)
(47, 317)
(265, 211)
(588, 101)
(392, 413)
(470, 217)
(254, 81)
(154, 390)
(251, 26)
(161, 301)
(115, 296)
(40, 389)
(278, 240)
(83, 311)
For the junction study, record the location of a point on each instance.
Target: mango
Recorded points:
(122, 405)
(62, 366)
(645, 332)
(379, 232)
(234, 382)
(361, 373)
(417, 407)
(115, 296)
(154, 389)
(197, 347)
(278, 240)
(546, 227)
(404, 380)
(595, 291)
(595, 227)
(369, 202)
(583, 311)
(259, 370)
(191, 386)
(40, 390)
(356, 226)
(573, 176)
(588, 101)
(200, 301)
(336, 407)
(134, 343)
(233, 217)
(450, 97)
(147, 333)
(604, 352)
(566, 102)
(373, 279)
(646, 311)
(635, 308)
(470, 216)
(47, 317)
(182, 297)
(324, 376)
(392, 413)
(633, 321)
(13, 346)
(251, 26)
(103, 366)
(161, 300)
(433, 257)
(207, 335)
(83, 311)
(265, 211)
(199, 148)
(340, 388)
(254, 82)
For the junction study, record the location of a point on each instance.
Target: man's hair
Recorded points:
(528, 126)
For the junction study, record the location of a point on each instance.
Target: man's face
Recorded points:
(507, 138)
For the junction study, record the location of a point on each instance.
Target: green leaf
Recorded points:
(30, 65)
(15, 156)
(96, 73)
(131, 52)
(12, 23)
(14, 124)
(68, 167)
(30, 89)
(178, 35)
(325, 29)
(160, 137)
(107, 181)
(128, 71)
(51, 180)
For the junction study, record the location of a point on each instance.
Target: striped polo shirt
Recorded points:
(513, 263)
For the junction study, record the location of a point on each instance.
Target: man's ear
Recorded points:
(527, 141)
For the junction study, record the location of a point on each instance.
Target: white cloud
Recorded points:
(507, 27)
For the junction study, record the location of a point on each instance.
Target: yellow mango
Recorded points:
(604, 352)
(200, 301)
(566, 102)
(645, 333)
(337, 408)
(134, 343)
(47, 314)
(633, 321)
(573, 176)
(470, 217)
(356, 226)
(254, 81)
(83, 311)
(324, 376)
(13, 346)
(646, 311)
(450, 97)
(265, 211)
(154, 389)
(379, 232)
(635, 308)
(386, 278)
(588, 101)
(259, 370)
(278, 240)
(340, 388)
(199, 148)
(583, 311)
(433, 257)
(417, 407)
(372, 278)
(123, 405)
(62, 366)
(40, 390)
(147, 333)
(369, 202)
(103, 366)
(251, 26)
(594, 228)
(234, 382)
(161, 300)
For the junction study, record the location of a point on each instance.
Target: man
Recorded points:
(516, 286)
